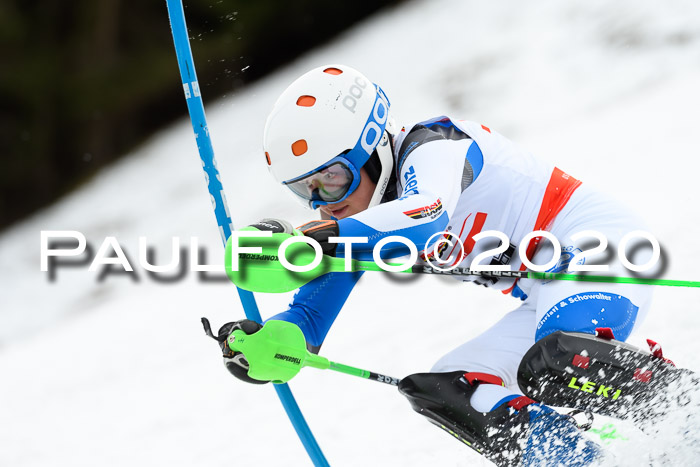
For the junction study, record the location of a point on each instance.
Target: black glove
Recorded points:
(235, 362)
(319, 230)
(274, 226)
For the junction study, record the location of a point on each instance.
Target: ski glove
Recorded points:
(274, 226)
(235, 362)
(320, 231)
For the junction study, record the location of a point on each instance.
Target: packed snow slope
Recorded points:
(118, 372)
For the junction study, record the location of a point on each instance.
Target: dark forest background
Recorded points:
(84, 81)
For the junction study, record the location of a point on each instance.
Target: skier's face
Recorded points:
(358, 201)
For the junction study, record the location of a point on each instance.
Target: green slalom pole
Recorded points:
(262, 271)
(277, 352)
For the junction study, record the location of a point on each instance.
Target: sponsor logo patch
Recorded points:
(288, 358)
(586, 385)
(411, 186)
(431, 211)
(256, 257)
(567, 254)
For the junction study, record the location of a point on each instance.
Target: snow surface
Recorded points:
(119, 372)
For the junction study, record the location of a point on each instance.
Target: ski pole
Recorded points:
(277, 352)
(195, 107)
(263, 271)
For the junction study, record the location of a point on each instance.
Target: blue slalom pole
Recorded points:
(218, 199)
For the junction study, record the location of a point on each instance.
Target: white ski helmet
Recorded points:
(323, 128)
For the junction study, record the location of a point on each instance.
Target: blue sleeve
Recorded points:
(316, 305)
(418, 234)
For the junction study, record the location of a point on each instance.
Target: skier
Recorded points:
(331, 139)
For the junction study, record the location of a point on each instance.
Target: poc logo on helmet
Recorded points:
(350, 100)
(372, 132)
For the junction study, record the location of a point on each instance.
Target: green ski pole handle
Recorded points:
(263, 271)
(258, 266)
(277, 352)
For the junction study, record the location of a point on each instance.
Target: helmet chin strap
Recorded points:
(386, 159)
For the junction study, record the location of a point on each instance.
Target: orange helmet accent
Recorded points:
(333, 71)
(299, 147)
(306, 101)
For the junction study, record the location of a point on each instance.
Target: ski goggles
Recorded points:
(330, 183)
(338, 178)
